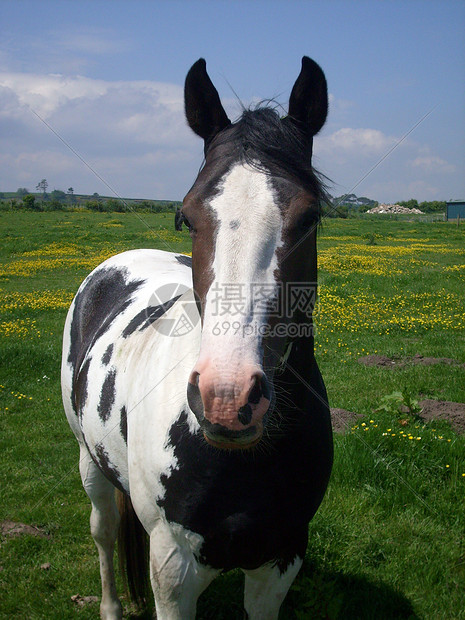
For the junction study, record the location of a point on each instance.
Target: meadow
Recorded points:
(388, 540)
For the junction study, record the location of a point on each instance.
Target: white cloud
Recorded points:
(351, 157)
(397, 189)
(46, 93)
(339, 106)
(433, 164)
(348, 141)
(132, 133)
(89, 41)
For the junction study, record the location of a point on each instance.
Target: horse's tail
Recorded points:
(133, 552)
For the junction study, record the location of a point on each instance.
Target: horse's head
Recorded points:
(252, 214)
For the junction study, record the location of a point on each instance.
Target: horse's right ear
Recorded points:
(204, 112)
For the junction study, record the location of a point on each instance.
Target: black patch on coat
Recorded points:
(147, 316)
(123, 424)
(104, 297)
(107, 396)
(108, 469)
(80, 387)
(184, 260)
(254, 507)
(106, 357)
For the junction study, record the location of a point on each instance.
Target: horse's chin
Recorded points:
(231, 444)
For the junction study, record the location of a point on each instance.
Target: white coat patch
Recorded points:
(248, 235)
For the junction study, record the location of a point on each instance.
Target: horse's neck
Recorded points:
(299, 369)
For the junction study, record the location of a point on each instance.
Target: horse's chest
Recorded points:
(248, 510)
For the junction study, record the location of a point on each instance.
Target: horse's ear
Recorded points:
(308, 103)
(204, 112)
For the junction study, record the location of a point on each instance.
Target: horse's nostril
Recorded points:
(245, 415)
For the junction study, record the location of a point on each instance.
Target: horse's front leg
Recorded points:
(266, 588)
(177, 577)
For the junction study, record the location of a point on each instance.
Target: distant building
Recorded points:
(455, 209)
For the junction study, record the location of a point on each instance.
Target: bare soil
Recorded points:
(451, 412)
(444, 410)
(342, 420)
(12, 529)
(82, 601)
(383, 361)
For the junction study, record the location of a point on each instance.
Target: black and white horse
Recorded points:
(208, 410)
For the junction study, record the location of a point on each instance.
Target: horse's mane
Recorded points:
(275, 145)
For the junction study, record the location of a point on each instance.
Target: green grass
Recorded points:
(388, 540)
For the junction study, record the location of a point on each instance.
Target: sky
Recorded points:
(91, 92)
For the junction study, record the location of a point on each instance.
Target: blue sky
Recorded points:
(108, 76)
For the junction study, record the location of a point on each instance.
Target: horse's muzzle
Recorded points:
(230, 417)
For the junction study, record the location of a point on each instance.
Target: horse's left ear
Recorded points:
(204, 112)
(308, 103)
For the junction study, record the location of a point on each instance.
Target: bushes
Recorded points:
(56, 202)
(29, 202)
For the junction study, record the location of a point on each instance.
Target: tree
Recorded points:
(435, 206)
(22, 191)
(42, 187)
(29, 202)
(72, 197)
(114, 205)
(410, 204)
(57, 194)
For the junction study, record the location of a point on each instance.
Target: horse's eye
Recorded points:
(307, 220)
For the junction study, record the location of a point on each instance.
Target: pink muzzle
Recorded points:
(229, 407)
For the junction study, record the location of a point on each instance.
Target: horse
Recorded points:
(191, 383)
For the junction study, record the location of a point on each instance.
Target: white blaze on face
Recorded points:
(249, 227)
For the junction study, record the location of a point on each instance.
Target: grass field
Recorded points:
(388, 540)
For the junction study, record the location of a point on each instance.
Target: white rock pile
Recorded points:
(394, 209)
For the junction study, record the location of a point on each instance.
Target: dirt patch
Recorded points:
(454, 413)
(13, 529)
(383, 361)
(444, 410)
(82, 601)
(378, 360)
(342, 420)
